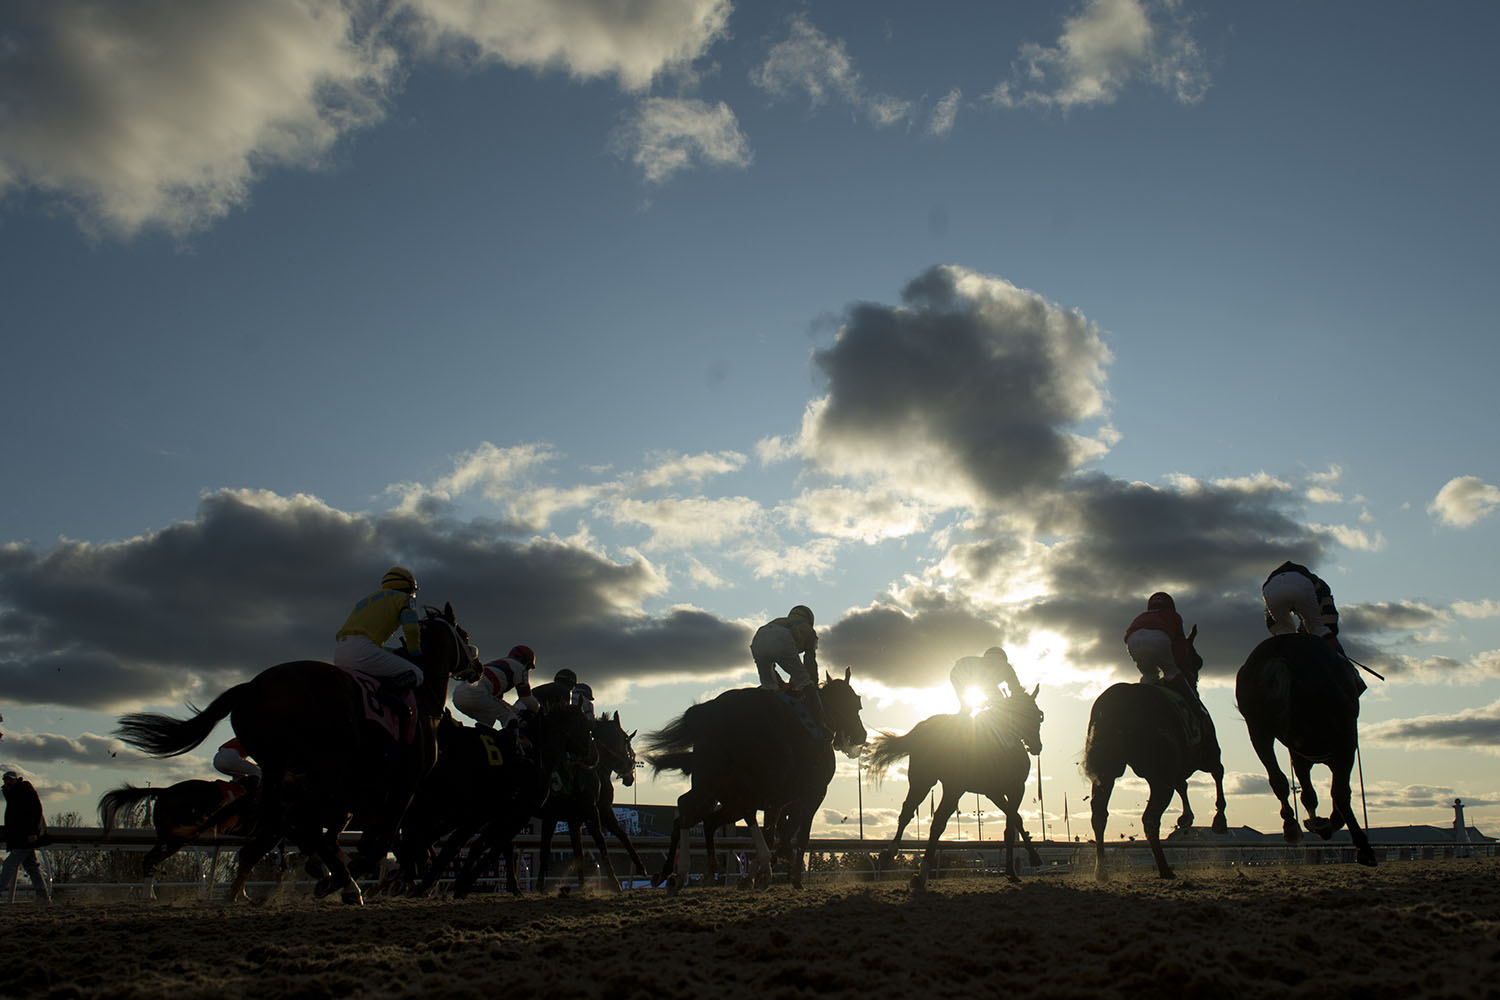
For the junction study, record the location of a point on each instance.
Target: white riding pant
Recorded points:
(481, 706)
(1288, 594)
(772, 647)
(1151, 649)
(232, 764)
(359, 652)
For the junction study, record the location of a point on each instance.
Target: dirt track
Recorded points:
(1405, 929)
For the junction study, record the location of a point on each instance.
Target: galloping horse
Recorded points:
(588, 800)
(482, 785)
(181, 813)
(1164, 740)
(985, 753)
(751, 750)
(1293, 688)
(330, 744)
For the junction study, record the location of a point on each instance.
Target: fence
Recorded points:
(828, 858)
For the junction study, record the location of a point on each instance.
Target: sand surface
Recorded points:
(1405, 929)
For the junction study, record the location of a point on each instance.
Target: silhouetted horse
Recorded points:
(985, 753)
(1293, 688)
(752, 750)
(484, 791)
(181, 813)
(1163, 739)
(329, 745)
(587, 799)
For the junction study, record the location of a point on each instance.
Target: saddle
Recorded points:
(1188, 714)
(394, 710)
(803, 714)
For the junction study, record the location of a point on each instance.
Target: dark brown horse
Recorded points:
(1295, 689)
(181, 813)
(753, 750)
(985, 753)
(483, 792)
(1162, 738)
(320, 736)
(586, 799)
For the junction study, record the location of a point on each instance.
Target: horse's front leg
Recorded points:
(915, 793)
(1185, 821)
(1220, 824)
(1099, 795)
(939, 823)
(1156, 804)
(1313, 823)
(595, 828)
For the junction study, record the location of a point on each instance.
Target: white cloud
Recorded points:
(808, 62)
(865, 515)
(1108, 45)
(665, 135)
(588, 39)
(164, 114)
(682, 522)
(944, 113)
(1463, 500)
(690, 468)
(1477, 609)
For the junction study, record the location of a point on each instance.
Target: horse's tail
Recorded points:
(1106, 746)
(885, 751)
(670, 748)
(128, 801)
(164, 736)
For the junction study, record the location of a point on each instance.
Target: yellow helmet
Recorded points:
(398, 578)
(801, 611)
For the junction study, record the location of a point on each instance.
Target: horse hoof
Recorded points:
(352, 896)
(1366, 857)
(323, 887)
(1221, 825)
(1291, 834)
(674, 884)
(918, 883)
(1012, 878)
(1168, 873)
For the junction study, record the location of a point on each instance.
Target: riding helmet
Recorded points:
(996, 653)
(566, 676)
(399, 578)
(524, 654)
(801, 611)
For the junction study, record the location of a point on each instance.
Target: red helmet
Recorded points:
(1160, 601)
(524, 654)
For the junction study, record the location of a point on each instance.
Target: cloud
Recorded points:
(968, 392)
(1463, 500)
(257, 578)
(808, 62)
(1104, 48)
(944, 113)
(663, 136)
(164, 114)
(1475, 728)
(588, 39)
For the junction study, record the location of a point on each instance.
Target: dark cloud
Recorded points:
(971, 377)
(257, 579)
(908, 648)
(1478, 727)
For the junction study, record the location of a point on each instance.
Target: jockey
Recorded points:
(778, 643)
(1159, 647)
(559, 690)
(1293, 589)
(231, 759)
(985, 673)
(482, 701)
(583, 699)
(374, 620)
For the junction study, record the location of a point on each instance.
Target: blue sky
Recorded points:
(628, 328)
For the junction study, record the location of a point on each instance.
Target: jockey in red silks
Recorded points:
(375, 619)
(1159, 647)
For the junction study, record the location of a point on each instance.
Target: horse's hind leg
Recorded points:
(940, 819)
(1156, 804)
(1342, 796)
(1220, 824)
(916, 791)
(1099, 803)
(1313, 823)
(1265, 749)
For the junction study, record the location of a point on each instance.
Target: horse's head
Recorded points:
(1194, 665)
(566, 731)
(1027, 718)
(615, 748)
(841, 707)
(446, 647)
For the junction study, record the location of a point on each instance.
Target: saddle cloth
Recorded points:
(393, 711)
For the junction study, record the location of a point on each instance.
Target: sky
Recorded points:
(629, 326)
